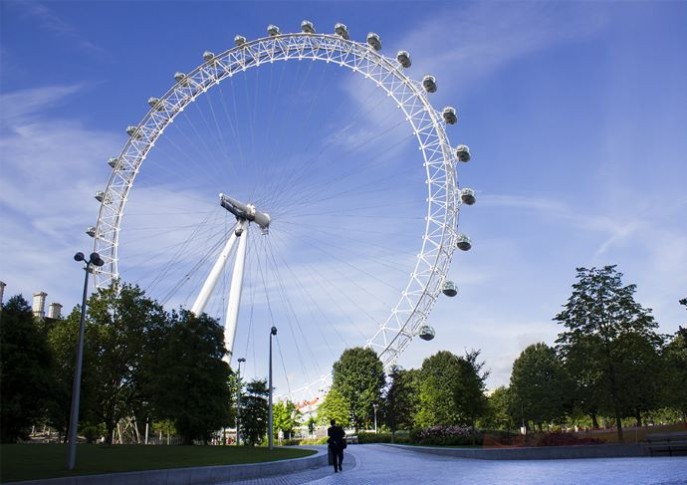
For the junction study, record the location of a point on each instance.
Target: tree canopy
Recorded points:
(598, 317)
(539, 385)
(25, 370)
(359, 377)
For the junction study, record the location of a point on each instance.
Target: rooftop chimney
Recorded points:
(39, 304)
(55, 311)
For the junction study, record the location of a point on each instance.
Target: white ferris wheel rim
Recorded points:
(439, 240)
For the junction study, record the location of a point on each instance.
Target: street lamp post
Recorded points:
(93, 260)
(270, 437)
(238, 399)
(375, 406)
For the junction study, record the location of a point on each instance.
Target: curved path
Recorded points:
(379, 464)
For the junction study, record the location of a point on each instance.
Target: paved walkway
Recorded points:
(385, 465)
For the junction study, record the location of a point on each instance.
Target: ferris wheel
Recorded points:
(283, 210)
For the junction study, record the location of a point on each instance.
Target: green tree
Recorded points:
(359, 377)
(401, 400)
(498, 414)
(599, 311)
(674, 359)
(121, 319)
(25, 370)
(539, 386)
(451, 390)
(254, 412)
(334, 406)
(62, 340)
(473, 401)
(640, 374)
(286, 417)
(191, 387)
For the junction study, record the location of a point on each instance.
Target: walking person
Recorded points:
(337, 443)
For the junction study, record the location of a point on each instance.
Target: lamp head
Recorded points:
(274, 331)
(241, 359)
(79, 257)
(95, 259)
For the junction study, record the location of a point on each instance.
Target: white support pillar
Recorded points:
(212, 278)
(235, 290)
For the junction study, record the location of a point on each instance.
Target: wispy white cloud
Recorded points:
(466, 42)
(48, 20)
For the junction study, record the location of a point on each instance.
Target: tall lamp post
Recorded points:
(270, 437)
(93, 260)
(238, 399)
(375, 406)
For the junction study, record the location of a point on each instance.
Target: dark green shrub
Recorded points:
(446, 436)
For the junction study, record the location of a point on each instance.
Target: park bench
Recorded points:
(670, 443)
(352, 439)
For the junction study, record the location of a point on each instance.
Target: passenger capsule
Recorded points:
(426, 332)
(156, 104)
(91, 231)
(463, 153)
(112, 162)
(430, 84)
(273, 30)
(239, 40)
(179, 76)
(467, 196)
(463, 242)
(208, 56)
(341, 30)
(307, 27)
(373, 40)
(133, 132)
(449, 288)
(100, 196)
(449, 115)
(403, 59)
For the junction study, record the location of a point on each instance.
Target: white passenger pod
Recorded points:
(341, 30)
(426, 332)
(463, 242)
(403, 59)
(133, 132)
(373, 40)
(307, 27)
(91, 231)
(112, 162)
(273, 30)
(467, 196)
(449, 288)
(463, 153)
(429, 83)
(208, 56)
(449, 114)
(239, 40)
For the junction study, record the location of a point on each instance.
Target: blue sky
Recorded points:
(576, 114)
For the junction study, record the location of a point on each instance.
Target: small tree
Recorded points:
(25, 370)
(539, 386)
(359, 377)
(286, 417)
(334, 406)
(254, 412)
(674, 360)
(401, 400)
(499, 415)
(192, 387)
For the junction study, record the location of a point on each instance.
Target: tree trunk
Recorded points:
(109, 435)
(595, 420)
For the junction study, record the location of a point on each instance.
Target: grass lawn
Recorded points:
(35, 461)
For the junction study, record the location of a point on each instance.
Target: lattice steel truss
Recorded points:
(439, 240)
